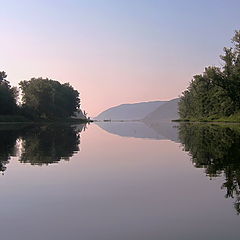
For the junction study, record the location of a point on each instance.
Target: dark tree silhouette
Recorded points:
(8, 96)
(48, 99)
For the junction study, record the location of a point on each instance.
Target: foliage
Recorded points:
(48, 99)
(8, 96)
(44, 99)
(216, 92)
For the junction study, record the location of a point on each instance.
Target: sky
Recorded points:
(115, 51)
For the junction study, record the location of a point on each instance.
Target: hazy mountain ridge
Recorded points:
(166, 112)
(134, 111)
(154, 111)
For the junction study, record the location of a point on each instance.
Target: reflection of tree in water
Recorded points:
(49, 144)
(40, 144)
(216, 148)
(8, 137)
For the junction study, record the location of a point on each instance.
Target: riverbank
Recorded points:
(16, 119)
(235, 118)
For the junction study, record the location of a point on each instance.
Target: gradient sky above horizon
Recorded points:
(113, 51)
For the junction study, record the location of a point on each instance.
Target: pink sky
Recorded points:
(113, 53)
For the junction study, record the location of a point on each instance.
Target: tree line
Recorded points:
(41, 99)
(216, 92)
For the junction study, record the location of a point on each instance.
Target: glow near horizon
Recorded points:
(115, 52)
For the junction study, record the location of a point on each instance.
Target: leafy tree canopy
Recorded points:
(49, 99)
(216, 92)
(8, 96)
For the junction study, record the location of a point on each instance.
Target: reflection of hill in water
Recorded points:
(42, 144)
(158, 131)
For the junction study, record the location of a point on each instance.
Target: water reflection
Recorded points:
(119, 188)
(213, 147)
(216, 148)
(138, 129)
(8, 137)
(38, 145)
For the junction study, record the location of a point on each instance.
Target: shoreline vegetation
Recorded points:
(214, 96)
(235, 118)
(42, 101)
(18, 119)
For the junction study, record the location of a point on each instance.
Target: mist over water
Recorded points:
(125, 180)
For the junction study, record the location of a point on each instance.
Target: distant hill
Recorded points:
(135, 111)
(166, 112)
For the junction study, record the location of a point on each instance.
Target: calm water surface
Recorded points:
(120, 181)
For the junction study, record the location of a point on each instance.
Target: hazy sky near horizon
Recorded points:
(115, 51)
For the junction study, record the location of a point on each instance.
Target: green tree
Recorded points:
(48, 99)
(3, 76)
(216, 92)
(8, 96)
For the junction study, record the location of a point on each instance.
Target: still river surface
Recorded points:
(110, 181)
